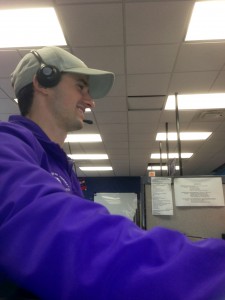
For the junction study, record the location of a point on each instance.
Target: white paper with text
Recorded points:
(162, 201)
(198, 191)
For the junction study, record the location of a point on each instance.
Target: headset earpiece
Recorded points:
(47, 75)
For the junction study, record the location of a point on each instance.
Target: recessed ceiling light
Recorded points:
(184, 136)
(83, 138)
(30, 27)
(88, 156)
(171, 155)
(207, 21)
(196, 101)
(96, 168)
(158, 168)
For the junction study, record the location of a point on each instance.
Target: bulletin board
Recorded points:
(197, 222)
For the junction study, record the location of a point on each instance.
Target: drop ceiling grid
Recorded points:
(142, 42)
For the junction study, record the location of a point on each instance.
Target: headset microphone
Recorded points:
(88, 121)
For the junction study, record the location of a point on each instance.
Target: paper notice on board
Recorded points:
(198, 191)
(162, 202)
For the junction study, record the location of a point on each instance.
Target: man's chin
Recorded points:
(79, 124)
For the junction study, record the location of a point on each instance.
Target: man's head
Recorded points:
(54, 88)
(35, 63)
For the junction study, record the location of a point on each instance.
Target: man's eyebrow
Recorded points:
(84, 81)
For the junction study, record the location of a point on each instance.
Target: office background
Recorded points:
(143, 42)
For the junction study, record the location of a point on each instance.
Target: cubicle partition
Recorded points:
(194, 206)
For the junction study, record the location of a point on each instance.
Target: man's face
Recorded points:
(70, 98)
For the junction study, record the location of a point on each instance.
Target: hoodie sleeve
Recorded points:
(60, 246)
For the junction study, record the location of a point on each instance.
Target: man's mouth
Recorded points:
(81, 109)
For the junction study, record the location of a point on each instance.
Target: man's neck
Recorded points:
(54, 133)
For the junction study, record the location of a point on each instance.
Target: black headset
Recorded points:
(47, 75)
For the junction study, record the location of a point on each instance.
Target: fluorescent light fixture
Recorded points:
(83, 138)
(196, 101)
(171, 155)
(158, 168)
(88, 156)
(96, 168)
(207, 21)
(184, 136)
(30, 27)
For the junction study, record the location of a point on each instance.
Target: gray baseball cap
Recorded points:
(100, 82)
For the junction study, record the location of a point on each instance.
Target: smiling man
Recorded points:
(55, 244)
(61, 90)
(60, 109)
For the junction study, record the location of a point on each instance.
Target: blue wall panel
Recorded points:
(110, 185)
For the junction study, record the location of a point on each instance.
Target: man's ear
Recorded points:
(38, 87)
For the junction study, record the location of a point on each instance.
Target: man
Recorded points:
(54, 243)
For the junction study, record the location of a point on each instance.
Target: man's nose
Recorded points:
(89, 102)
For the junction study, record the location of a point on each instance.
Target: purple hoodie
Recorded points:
(58, 245)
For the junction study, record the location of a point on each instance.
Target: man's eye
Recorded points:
(81, 86)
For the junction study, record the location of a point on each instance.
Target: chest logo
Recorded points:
(62, 180)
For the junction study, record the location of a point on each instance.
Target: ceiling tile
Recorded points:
(7, 106)
(119, 87)
(218, 85)
(138, 128)
(169, 116)
(9, 59)
(200, 57)
(110, 104)
(143, 103)
(104, 58)
(111, 117)
(119, 137)
(192, 82)
(81, 21)
(115, 128)
(13, 4)
(147, 84)
(115, 145)
(143, 116)
(156, 22)
(6, 87)
(83, 1)
(151, 59)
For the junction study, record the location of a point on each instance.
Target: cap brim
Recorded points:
(100, 82)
